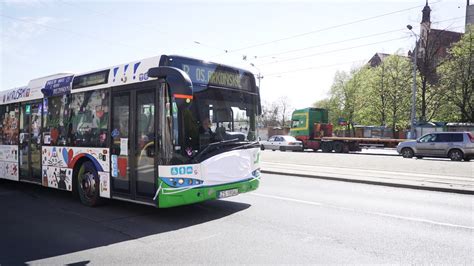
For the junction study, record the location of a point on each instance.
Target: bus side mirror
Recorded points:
(181, 87)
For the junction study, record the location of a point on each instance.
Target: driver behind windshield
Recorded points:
(206, 135)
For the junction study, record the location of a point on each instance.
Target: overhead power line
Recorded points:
(347, 40)
(324, 29)
(314, 67)
(321, 66)
(329, 43)
(332, 51)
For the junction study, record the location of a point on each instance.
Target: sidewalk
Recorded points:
(454, 184)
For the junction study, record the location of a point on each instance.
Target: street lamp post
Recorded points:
(413, 99)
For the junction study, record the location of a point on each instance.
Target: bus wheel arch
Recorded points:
(86, 182)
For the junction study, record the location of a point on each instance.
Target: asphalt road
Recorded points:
(289, 220)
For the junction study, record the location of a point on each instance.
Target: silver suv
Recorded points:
(454, 145)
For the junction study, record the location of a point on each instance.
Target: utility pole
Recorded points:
(413, 99)
(259, 75)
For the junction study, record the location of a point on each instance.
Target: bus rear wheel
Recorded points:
(88, 184)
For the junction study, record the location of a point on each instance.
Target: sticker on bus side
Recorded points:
(104, 184)
(60, 178)
(114, 165)
(186, 171)
(9, 171)
(9, 162)
(67, 156)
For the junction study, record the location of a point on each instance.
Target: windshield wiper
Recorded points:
(214, 146)
(247, 145)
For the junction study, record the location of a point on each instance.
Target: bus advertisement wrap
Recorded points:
(111, 133)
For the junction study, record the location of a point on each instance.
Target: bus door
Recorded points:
(30, 141)
(133, 135)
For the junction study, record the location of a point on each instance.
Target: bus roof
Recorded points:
(129, 73)
(209, 62)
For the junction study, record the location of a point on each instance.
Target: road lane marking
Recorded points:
(413, 219)
(205, 238)
(287, 199)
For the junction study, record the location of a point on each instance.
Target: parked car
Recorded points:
(282, 143)
(454, 145)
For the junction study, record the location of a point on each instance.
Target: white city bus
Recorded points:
(135, 132)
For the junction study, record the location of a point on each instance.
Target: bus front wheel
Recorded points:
(88, 184)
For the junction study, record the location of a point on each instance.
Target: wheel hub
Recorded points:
(88, 184)
(456, 155)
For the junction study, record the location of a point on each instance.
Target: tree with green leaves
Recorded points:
(346, 96)
(398, 89)
(372, 96)
(457, 77)
(431, 96)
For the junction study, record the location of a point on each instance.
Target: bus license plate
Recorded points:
(228, 193)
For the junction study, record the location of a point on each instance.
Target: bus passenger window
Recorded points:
(56, 120)
(89, 118)
(9, 124)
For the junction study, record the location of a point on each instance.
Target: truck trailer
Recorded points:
(312, 127)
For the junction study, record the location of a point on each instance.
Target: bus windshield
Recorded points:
(224, 108)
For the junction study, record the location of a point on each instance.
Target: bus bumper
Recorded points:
(168, 199)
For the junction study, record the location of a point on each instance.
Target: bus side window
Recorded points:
(2, 117)
(56, 120)
(11, 124)
(89, 119)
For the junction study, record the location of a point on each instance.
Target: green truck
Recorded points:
(312, 127)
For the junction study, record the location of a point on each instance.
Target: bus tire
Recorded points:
(88, 184)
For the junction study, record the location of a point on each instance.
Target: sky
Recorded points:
(296, 46)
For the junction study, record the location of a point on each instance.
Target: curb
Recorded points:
(379, 183)
(374, 154)
(356, 153)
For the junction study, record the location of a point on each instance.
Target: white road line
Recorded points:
(287, 199)
(413, 219)
(205, 238)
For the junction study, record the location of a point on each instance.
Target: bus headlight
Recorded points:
(181, 182)
(256, 173)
